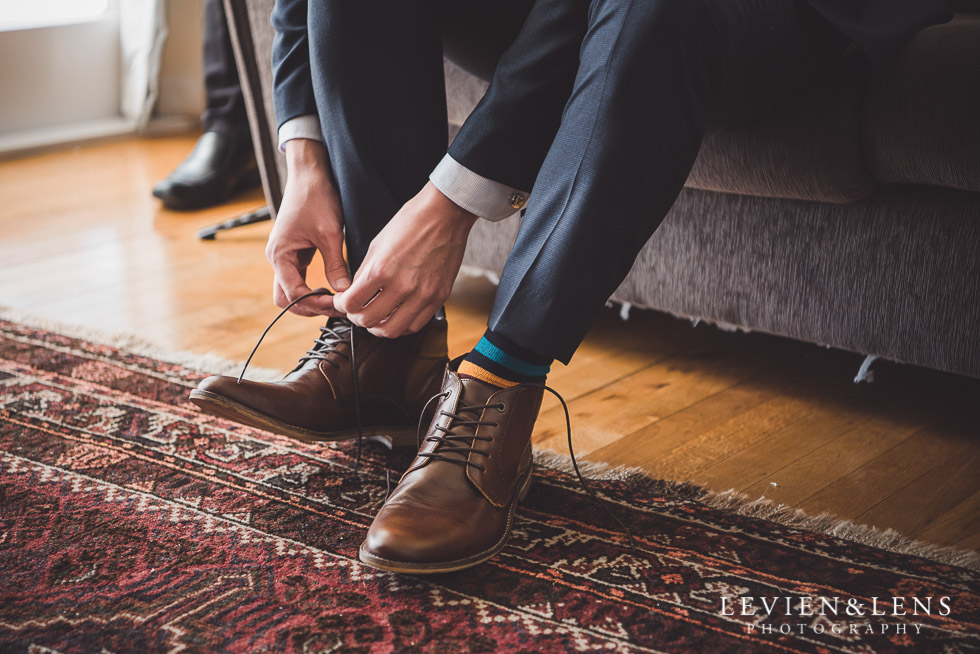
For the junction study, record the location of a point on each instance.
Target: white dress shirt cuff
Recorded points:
(301, 127)
(475, 193)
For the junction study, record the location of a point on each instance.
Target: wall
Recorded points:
(57, 75)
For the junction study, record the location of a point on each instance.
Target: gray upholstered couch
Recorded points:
(850, 219)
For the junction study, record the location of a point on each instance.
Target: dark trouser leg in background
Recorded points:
(649, 73)
(225, 110)
(222, 161)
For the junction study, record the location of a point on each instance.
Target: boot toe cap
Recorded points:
(395, 543)
(221, 388)
(219, 385)
(419, 538)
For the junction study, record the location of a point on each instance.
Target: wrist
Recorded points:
(306, 157)
(445, 209)
(308, 169)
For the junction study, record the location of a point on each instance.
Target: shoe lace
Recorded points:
(450, 441)
(578, 473)
(323, 346)
(328, 341)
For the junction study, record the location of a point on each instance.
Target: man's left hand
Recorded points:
(410, 266)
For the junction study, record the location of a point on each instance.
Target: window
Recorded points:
(33, 14)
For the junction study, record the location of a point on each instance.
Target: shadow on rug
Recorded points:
(129, 522)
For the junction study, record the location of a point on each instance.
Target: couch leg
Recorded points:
(257, 216)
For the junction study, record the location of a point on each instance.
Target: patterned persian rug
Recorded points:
(131, 523)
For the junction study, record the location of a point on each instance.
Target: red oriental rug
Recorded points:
(129, 522)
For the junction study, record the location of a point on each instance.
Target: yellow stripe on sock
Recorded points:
(473, 370)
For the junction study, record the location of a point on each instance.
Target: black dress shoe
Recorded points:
(219, 166)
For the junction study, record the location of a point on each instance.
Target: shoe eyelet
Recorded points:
(501, 407)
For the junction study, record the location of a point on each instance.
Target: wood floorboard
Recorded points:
(83, 242)
(823, 466)
(762, 458)
(957, 526)
(634, 402)
(645, 447)
(914, 508)
(886, 474)
(722, 442)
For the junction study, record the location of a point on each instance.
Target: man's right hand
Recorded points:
(309, 219)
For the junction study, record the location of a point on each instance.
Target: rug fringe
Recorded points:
(208, 363)
(764, 509)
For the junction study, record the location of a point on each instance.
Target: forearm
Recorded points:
(307, 162)
(447, 215)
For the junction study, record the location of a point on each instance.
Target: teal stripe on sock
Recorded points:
(495, 354)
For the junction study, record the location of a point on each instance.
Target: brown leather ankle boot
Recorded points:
(454, 507)
(315, 402)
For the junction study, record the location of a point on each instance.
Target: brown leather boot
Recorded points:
(315, 402)
(454, 507)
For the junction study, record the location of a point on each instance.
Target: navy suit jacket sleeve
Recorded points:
(292, 82)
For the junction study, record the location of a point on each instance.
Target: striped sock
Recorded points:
(499, 362)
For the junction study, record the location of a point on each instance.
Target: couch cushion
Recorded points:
(922, 115)
(810, 150)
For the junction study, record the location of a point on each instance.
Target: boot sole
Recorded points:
(406, 567)
(222, 407)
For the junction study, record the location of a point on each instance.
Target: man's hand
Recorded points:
(309, 219)
(410, 266)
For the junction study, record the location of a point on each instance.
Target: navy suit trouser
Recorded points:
(598, 107)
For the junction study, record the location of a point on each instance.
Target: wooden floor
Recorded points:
(82, 241)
